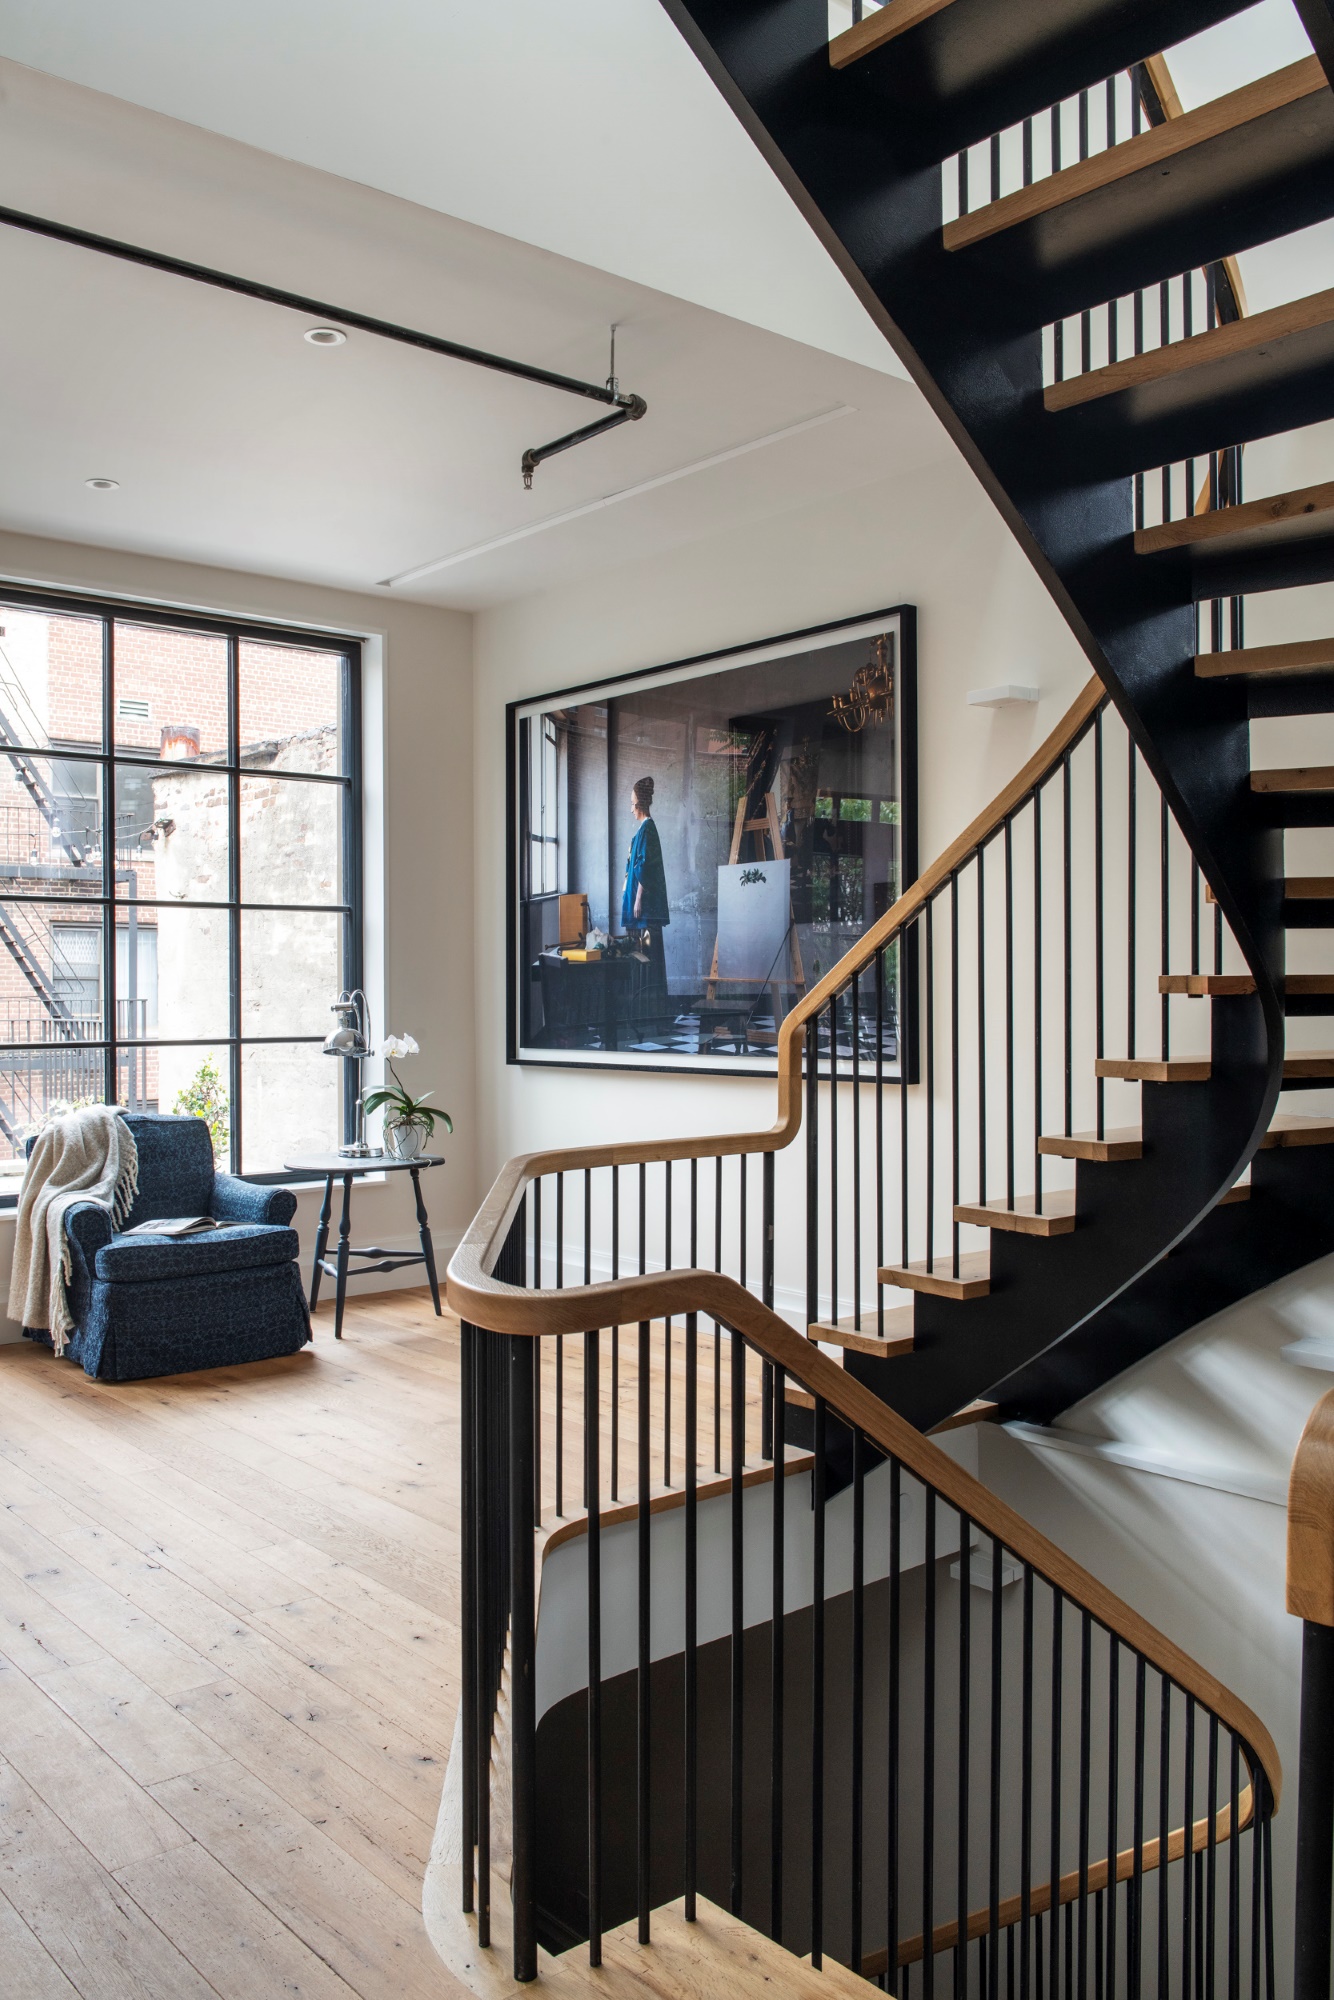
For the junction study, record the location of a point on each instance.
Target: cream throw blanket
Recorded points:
(88, 1156)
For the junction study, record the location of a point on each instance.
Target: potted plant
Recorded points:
(409, 1124)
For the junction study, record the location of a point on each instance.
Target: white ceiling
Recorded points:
(237, 443)
(588, 128)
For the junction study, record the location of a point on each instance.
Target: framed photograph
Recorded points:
(693, 846)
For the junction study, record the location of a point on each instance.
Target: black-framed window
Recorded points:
(180, 872)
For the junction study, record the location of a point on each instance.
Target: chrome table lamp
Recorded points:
(351, 1040)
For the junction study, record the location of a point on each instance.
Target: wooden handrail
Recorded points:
(1311, 1519)
(724, 1300)
(476, 1296)
(1071, 1886)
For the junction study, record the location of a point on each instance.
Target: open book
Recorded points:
(176, 1225)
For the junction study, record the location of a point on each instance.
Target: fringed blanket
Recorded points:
(88, 1156)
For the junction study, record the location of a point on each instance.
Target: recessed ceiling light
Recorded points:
(100, 485)
(325, 336)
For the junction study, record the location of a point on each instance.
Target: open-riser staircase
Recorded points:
(1038, 1102)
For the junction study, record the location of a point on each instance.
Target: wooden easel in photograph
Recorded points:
(766, 828)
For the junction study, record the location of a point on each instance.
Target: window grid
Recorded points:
(119, 1045)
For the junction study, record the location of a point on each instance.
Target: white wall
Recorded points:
(931, 539)
(1199, 1548)
(419, 810)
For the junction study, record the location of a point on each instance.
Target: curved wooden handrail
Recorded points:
(1311, 1519)
(469, 1279)
(724, 1300)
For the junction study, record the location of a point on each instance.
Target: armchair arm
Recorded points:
(89, 1228)
(236, 1200)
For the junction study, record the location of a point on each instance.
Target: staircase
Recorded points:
(1073, 1150)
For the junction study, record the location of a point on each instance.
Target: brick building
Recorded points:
(172, 859)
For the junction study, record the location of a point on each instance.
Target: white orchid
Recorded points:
(399, 1045)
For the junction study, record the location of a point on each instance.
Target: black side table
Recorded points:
(347, 1168)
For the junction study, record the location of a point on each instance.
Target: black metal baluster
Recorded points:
(930, 1025)
(717, 1330)
(817, 1688)
(777, 1692)
(982, 1025)
(929, 1747)
(1009, 1012)
(1135, 1924)
(855, 1003)
(1113, 1799)
(995, 166)
(994, 1793)
(1037, 1000)
(615, 1338)
(592, 1484)
(1164, 870)
(879, 1140)
(1234, 1871)
(895, 1691)
(469, 1606)
(692, 1614)
(812, 1054)
(914, 934)
(738, 1689)
(1067, 1037)
(1164, 1829)
(644, 1733)
(667, 1329)
(1085, 1778)
(1099, 938)
(1187, 1859)
(1132, 970)
(1054, 1848)
(1211, 1864)
(964, 1775)
(833, 1159)
(523, 1662)
(858, 1692)
(954, 1075)
(1027, 1799)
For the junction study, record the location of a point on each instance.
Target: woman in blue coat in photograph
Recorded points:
(644, 898)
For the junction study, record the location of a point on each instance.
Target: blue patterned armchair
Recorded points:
(156, 1306)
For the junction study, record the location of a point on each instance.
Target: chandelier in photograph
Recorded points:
(870, 699)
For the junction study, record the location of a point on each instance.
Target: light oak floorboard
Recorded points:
(228, 1669)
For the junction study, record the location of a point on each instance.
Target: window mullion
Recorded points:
(234, 891)
(110, 1063)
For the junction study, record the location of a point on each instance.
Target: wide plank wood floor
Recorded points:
(228, 1669)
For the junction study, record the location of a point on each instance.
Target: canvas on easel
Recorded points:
(749, 921)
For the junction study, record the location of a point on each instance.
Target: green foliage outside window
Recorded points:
(205, 1097)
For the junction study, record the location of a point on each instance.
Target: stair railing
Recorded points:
(1310, 1594)
(944, 1070)
(843, 1691)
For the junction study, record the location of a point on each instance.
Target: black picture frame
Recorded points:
(517, 712)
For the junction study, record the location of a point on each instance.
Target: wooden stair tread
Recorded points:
(898, 1335)
(1302, 656)
(884, 26)
(1300, 778)
(973, 1281)
(1145, 1069)
(1309, 1063)
(1141, 154)
(1057, 1217)
(1309, 888)
(838, 1979)
(1235, 338)
(1294, 1128)
(1305, 511)
(1201, 985)
(1124, 1143)
(978, 1412)
(716, 1954)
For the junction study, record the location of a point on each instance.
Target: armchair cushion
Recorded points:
(89, 1228)
(175, 1166)
(145, 1259)
(243, 1201)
